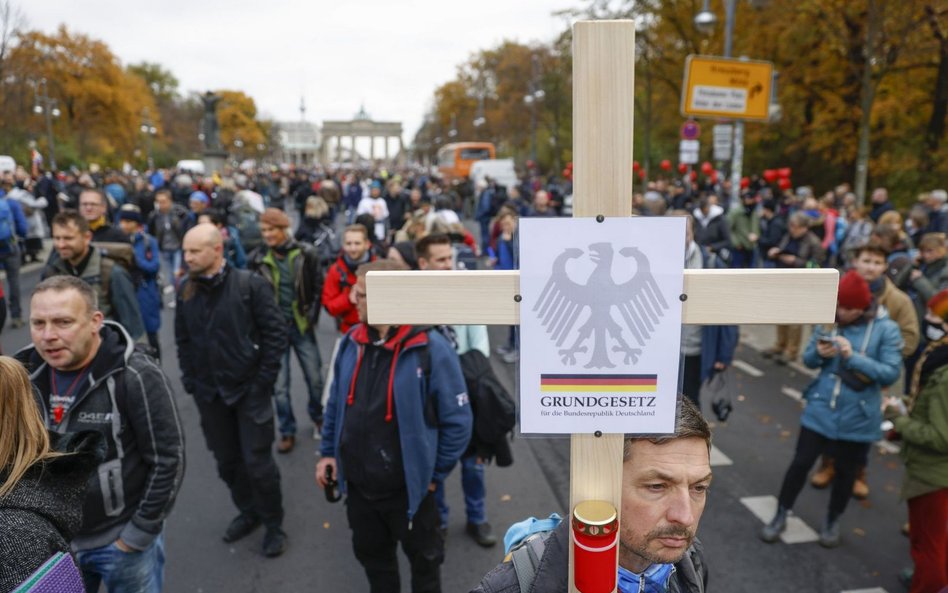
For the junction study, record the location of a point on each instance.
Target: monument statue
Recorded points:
(212, 136)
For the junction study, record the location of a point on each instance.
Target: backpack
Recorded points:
(6, 221)
(247, 221)
(327, 246)
(495, 412)
(119, 253)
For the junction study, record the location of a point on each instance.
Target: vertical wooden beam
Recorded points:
(603, 103)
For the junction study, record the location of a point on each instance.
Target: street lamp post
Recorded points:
(533, 97)
(148, 130)
(705, 22)
(47, 106)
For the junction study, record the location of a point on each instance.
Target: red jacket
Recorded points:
(339, 280)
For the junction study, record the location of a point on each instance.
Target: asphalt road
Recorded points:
(753, 450)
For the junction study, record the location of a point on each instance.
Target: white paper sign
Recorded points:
(600, 320)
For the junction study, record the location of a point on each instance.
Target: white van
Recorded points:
(500, 170)
(190, 166)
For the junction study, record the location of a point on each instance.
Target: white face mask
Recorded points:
(934, 332)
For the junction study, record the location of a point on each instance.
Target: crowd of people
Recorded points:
(223, 252)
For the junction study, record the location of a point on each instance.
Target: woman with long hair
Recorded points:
(42, 480)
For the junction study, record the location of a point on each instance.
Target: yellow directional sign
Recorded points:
(726, 88)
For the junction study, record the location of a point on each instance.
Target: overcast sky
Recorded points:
(388, 54)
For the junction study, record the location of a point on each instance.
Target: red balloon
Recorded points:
(567, 174)
(706, 168)
(770, 175)
(694, 175)
(783, 173)
(682, 168)
(714, 176)
(784, 183)
(666, 165)
(641, 173)
(569, 165)
(745, 182)
(636, 166)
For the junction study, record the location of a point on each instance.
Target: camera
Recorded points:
(722, 409)
(332, 487)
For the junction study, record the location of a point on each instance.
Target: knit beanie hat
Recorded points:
(939, 304)
(275, 218)
(854, 291)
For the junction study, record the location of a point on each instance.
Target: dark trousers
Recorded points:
(378, 525)
(691, 379)
(849, 456)
(241, 438)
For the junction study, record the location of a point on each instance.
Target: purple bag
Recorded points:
(57, 575)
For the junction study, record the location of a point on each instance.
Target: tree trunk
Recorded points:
(867, 95)
(936, 125)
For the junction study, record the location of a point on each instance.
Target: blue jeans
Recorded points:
(123, 572)
(307, 353)
(472, 483)
(170, 264)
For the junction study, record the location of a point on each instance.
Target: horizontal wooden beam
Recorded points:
(714, 297)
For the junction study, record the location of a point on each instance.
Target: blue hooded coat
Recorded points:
(833, 408)
(429, 451)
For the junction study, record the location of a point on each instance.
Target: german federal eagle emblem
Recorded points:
(601, 300)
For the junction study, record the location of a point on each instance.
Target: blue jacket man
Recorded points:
(397, 420)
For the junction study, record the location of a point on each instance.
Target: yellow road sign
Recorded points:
(726, 88)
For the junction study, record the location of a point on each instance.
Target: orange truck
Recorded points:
(455, 159)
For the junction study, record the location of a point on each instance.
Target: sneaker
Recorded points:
(482, 534)
(242, 526)
(274, 542)
(511, 357)
(505, 349)
(169, 289)
(318, 431)
(286, 444)
(771, 531)
(171, 305)
(829, 533)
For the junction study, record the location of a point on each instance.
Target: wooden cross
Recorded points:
(603, 83)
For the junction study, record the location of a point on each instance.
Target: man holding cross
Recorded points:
(664, 488)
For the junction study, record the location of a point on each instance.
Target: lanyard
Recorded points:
(59, 410)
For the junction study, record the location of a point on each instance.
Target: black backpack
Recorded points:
(495, 412)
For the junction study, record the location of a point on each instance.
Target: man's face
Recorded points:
(91, 206)
(415, 197)
(198, 206)
(796, 230)
(163, 201)
(664, 488)
(129, 227)
(202, 257)
(439, 258)
(870, 266)
(879, 196)
(273, 236)
(65, 332)
(362, 304)
(354, 244)
(70, 243)
(375, 191)
(932, 254)
(541, 201)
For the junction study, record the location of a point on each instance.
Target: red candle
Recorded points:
(595, 544)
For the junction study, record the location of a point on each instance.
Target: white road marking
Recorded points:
(812, 373)
(889, 447)
(747, 369)
(873, 590)
(765, 507)
(718, 458)
(792, 393)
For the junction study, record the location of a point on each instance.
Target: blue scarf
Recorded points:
(657, 578)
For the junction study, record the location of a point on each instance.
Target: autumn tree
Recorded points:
(101, 104)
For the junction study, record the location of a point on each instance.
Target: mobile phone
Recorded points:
(825, 340)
